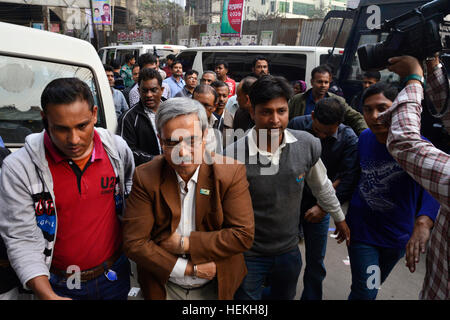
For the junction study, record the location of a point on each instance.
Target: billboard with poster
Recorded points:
(102, 12)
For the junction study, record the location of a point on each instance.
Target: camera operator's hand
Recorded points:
(432, 63)
(405, 65)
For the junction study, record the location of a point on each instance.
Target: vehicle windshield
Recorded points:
(21, 84)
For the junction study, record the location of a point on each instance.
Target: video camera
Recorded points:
(415, 33)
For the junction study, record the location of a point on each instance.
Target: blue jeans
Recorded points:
(99, 288)
(280, 271)
(316, 235)
(370, 266)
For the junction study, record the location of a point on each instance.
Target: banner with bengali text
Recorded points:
(232, 18)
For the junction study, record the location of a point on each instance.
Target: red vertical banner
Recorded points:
(232, 18)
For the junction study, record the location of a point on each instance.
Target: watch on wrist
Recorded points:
(195, 271)
(414, 77)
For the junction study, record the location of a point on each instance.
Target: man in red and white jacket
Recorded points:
(221, 69)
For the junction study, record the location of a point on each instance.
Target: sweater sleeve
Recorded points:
(322, 189)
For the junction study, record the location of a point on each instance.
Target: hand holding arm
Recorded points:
(173, 244)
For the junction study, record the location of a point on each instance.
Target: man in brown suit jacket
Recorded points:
(189, 216)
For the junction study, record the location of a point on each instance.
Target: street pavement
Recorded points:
(400, 285)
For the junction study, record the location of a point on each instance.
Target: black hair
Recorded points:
(128, 57)
(372, 74)
(66, 91)
(175, 63)
(205, 89)
(170, 56)
(107, 67)
(329, 111)
(135, 66)
(145, 59)
(149, 74)
(219, 84)
(190, 72)
(247, 83)
(258, 58)
(321, 69)
(269, 87)
(115, 64)
(388, 90)
(219, 62)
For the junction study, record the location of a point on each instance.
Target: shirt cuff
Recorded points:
(179, 268)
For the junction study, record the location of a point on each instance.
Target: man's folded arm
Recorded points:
(237, 231)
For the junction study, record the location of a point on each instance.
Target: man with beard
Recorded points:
(260, 67)
(175, 81)
(303, 104)
(222, 90)
(137, 125)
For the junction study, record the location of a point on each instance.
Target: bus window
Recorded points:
(22, 82)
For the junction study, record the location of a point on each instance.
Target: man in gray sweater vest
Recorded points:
(278, 162)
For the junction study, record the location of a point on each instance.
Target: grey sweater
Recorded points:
(276, 191)
(26, 188)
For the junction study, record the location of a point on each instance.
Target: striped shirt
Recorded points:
(430, 167)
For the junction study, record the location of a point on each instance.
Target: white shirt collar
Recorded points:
(194, 178)
(253, 147)
(212, 120)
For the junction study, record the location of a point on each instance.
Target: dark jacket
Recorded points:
(137, 130)
(353, 119)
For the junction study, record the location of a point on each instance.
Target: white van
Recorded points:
(108, 54)
(292, 62)
(29, 60)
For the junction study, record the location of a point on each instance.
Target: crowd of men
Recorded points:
(207, 186)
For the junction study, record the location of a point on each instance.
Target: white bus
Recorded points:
(108, 54)
(292, 62)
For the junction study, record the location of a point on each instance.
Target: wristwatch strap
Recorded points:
(414, 77)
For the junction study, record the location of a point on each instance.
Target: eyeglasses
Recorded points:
(190, 142)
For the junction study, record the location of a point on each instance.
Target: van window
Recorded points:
(120, 55)
(334, 61)
(21, 84)
(292, 66)
(187, 60)
(162, 53)
(110, 56)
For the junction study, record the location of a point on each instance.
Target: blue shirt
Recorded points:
(310, 104)
(339, 155)
(174, 86)
(383, 207)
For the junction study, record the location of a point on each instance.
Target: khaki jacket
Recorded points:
(224, 224)
(352, 118)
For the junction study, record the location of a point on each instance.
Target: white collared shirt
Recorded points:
(212, 142)
(152, 116)
(184, 228)
(274, 157)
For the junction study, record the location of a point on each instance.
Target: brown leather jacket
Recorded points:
(224, 224)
